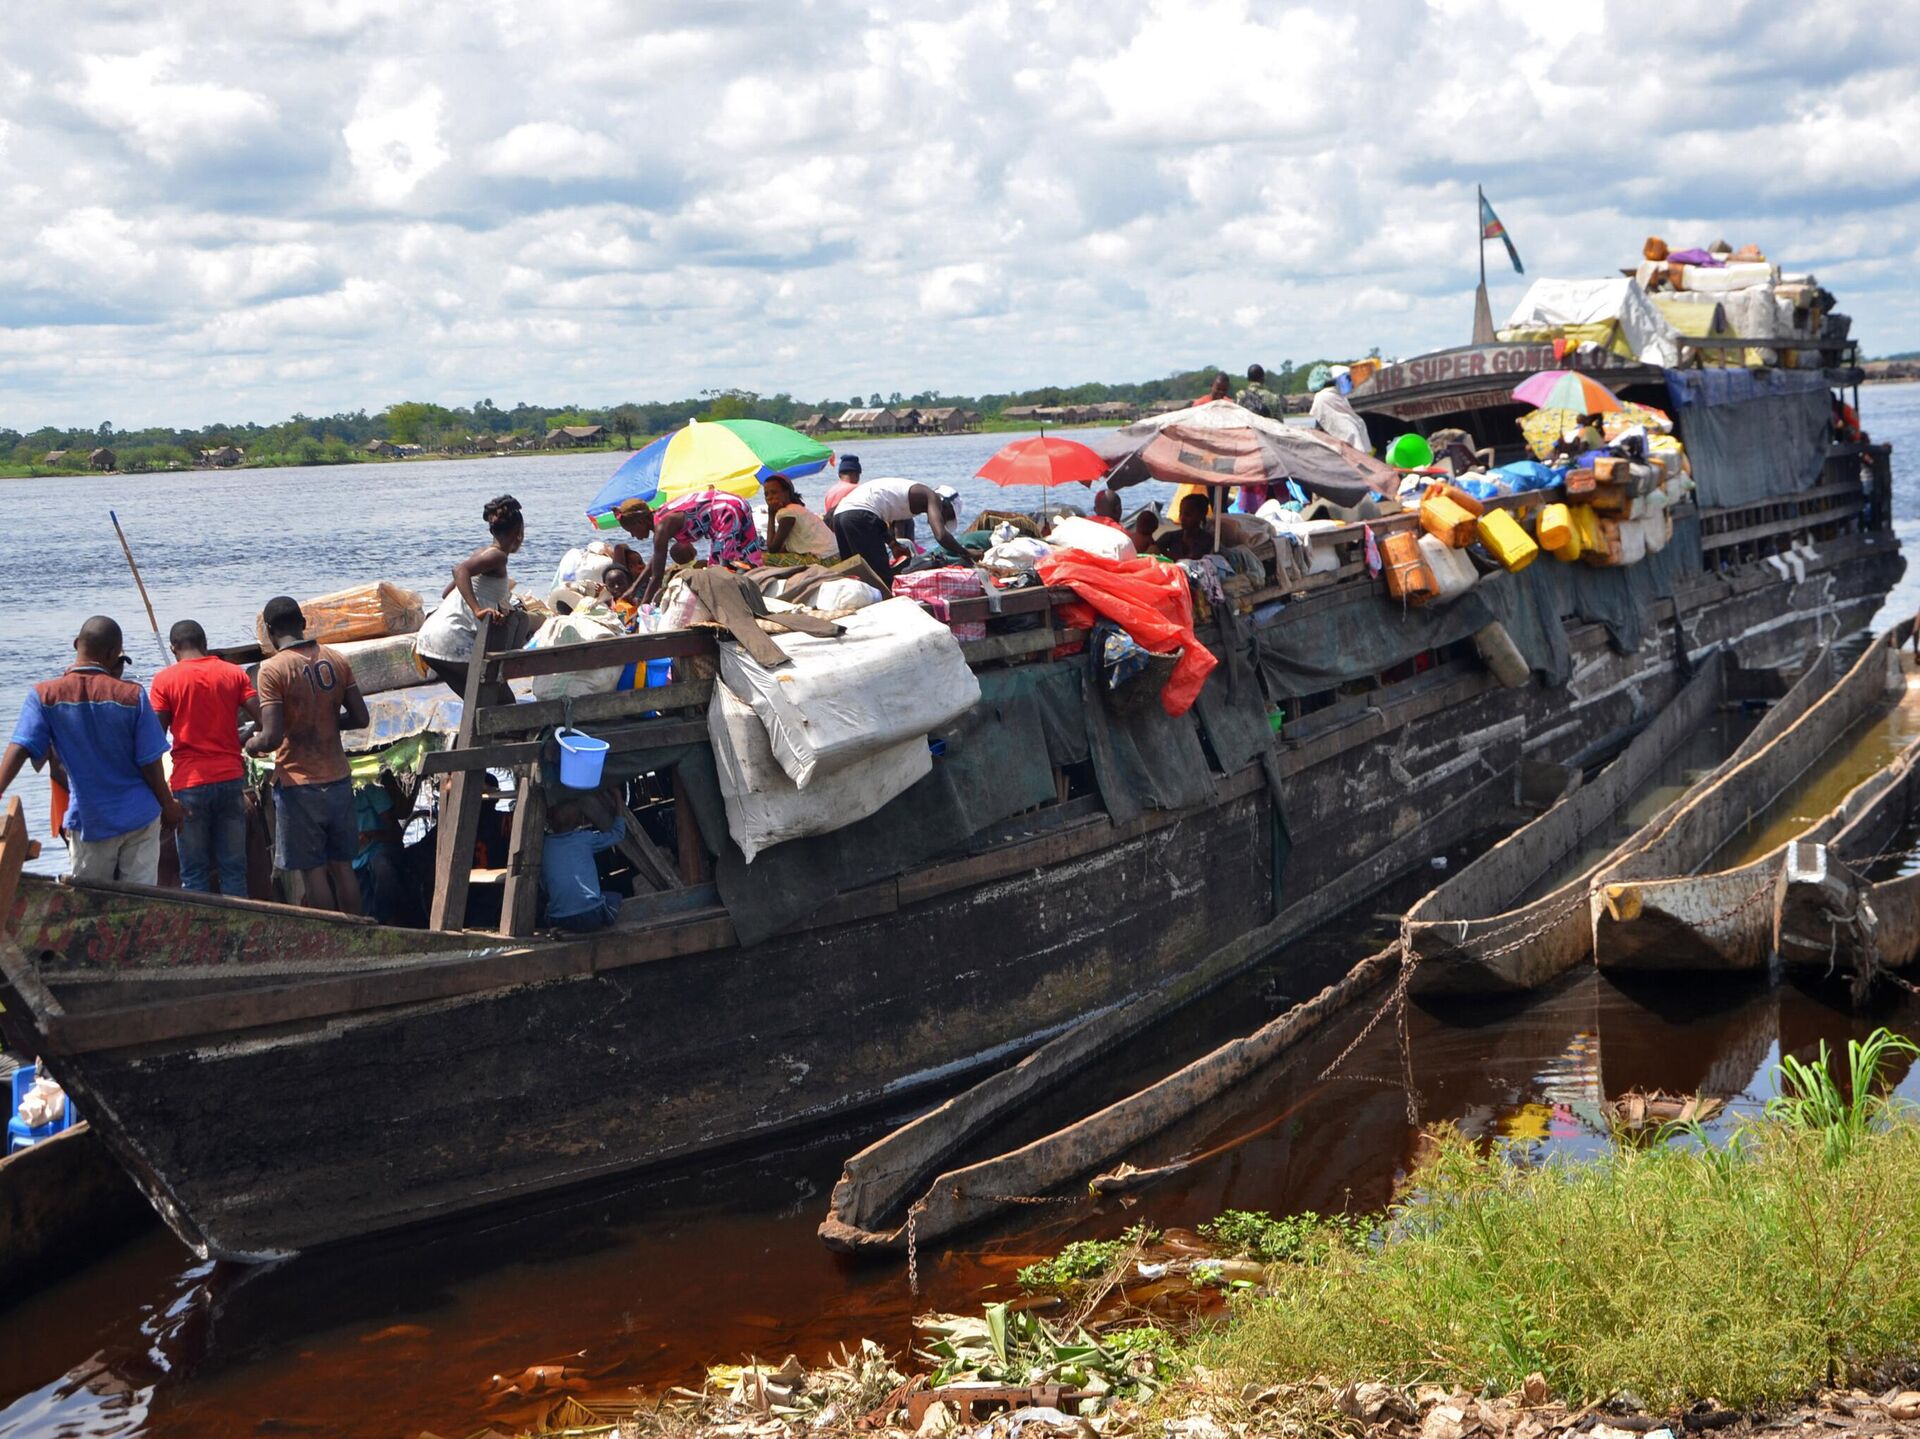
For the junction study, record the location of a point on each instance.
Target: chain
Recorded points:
(913, 1246)
(1409, 960)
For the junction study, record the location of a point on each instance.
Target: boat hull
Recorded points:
(396, 1089)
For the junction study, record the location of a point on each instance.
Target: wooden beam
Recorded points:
(460, 816)
(527, 840)
(652, 865)
(693, 851)
(586, 709)
(16, 848)
(601, 654)
(1006, 647)
(650, 734)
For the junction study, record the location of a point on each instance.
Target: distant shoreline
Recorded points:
(832, 437)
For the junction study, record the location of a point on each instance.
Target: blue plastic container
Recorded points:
(582, 758)
(19, 1136)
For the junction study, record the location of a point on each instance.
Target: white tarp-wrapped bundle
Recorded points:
(1592, 306)
(581, 627)
(896, 673)
(765, 808)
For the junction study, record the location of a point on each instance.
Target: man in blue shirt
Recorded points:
(575, 900)
(105, 736)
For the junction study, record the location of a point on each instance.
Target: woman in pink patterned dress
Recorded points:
(725, 521)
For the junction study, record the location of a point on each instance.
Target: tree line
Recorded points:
(340, 438)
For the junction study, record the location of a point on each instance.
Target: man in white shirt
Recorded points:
(863, 519)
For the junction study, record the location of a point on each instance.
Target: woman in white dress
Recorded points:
(480, 587)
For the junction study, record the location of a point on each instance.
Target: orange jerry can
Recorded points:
(1446, 521)
(1609, 550)
(1408, 577)
(1460, 497)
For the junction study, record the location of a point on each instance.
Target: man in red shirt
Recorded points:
(200, 698)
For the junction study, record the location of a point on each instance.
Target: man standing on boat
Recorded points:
(307, 696)
(200, 698)
(109, 744)
(1257, 397)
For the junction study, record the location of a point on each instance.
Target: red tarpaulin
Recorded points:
(1151, 602)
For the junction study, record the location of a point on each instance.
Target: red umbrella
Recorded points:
(1043, 461)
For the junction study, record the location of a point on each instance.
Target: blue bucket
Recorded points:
(582, 757)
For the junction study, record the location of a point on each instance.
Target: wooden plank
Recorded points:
(460, 819)
(1012, 602)
(651, 734)
(1006, 647)
(655, 868)
(589, 709)
(1791, 525)
(16, 848)
(601, 654)
(527, 840)
(694, 868)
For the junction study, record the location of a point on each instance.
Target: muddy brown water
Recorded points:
(649, 1282)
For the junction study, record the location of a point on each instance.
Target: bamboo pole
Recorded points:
(159, 645)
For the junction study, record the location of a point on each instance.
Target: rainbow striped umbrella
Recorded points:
(734, 457)
(1566, 390)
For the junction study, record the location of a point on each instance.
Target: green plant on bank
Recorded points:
(1812, 1100)
(1750, 1273)
(1298, 1238)
(1004, 1345)
(1082, 1261)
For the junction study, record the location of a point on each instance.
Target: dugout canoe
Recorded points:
(1659, 907)
(1831, 917)
(1466, 936)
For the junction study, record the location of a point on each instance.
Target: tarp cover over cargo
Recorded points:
(1615, 314)
(1752, 435)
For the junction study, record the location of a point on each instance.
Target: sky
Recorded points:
(220, 211)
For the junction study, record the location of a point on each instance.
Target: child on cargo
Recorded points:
(570, 874)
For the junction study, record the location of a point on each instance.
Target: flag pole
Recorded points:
(1480, 229)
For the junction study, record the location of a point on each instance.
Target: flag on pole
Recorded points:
(1492, 229)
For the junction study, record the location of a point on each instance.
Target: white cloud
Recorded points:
(164, 118)
(551, 150)
(393, 139)
(327, 203)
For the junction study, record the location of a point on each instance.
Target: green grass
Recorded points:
(1749, 1273)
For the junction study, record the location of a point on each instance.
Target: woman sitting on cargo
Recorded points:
(725, 521)
(795, 534)
(479, 589)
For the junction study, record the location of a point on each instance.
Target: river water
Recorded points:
(647, 1282)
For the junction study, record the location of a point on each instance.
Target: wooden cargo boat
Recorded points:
(1658, 907)
(276, 1079)
(1832, 917)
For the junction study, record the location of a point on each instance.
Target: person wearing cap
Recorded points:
(861, 521)
(1333, 414)
(308, 695)
(842, 487)
(109, 745)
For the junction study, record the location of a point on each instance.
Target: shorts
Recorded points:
(314, 825)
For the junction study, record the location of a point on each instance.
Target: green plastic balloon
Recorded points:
(1410, 452)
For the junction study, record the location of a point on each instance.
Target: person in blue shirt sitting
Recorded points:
(569, 873)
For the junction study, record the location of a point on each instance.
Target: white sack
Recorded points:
(576, 628)
(1070, 532)
(765, 808)
(847, 594)
(895, 673)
